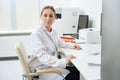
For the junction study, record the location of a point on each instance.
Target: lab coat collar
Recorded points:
(43, 27)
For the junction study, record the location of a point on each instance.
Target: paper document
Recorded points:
(94, 60)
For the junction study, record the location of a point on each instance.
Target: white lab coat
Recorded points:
(44, 53)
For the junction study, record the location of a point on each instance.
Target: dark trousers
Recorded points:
(74, 73)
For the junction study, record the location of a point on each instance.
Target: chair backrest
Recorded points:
(22, 55)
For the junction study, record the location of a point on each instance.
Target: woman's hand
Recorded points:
(68, 58)
(77, 47)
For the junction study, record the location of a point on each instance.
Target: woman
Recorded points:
(45, 45)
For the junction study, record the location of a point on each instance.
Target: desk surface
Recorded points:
(88, 71)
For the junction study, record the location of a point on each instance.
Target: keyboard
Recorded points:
(92, 49)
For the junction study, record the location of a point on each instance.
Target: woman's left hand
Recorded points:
(77, 47)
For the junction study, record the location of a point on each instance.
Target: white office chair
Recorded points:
(23, 57)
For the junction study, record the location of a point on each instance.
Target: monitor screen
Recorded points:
(83, 22)
(58, 15)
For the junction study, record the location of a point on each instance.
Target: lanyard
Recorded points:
(58, 55)
(51, 40)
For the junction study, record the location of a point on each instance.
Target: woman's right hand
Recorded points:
(68, 58)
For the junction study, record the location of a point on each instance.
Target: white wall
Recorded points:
(19, 14)
(5, 18)
(27, 14)
(56, 3)
(7, 44)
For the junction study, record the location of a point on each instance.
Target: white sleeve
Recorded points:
(43, 56)
(63, 44)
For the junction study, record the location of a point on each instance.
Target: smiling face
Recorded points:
(48, 17)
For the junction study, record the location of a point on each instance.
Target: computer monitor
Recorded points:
(83, 22)
(58, 15)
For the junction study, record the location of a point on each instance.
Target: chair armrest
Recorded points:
(39, 72)
(49, 71)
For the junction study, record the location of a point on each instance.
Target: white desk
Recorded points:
(88, 72)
